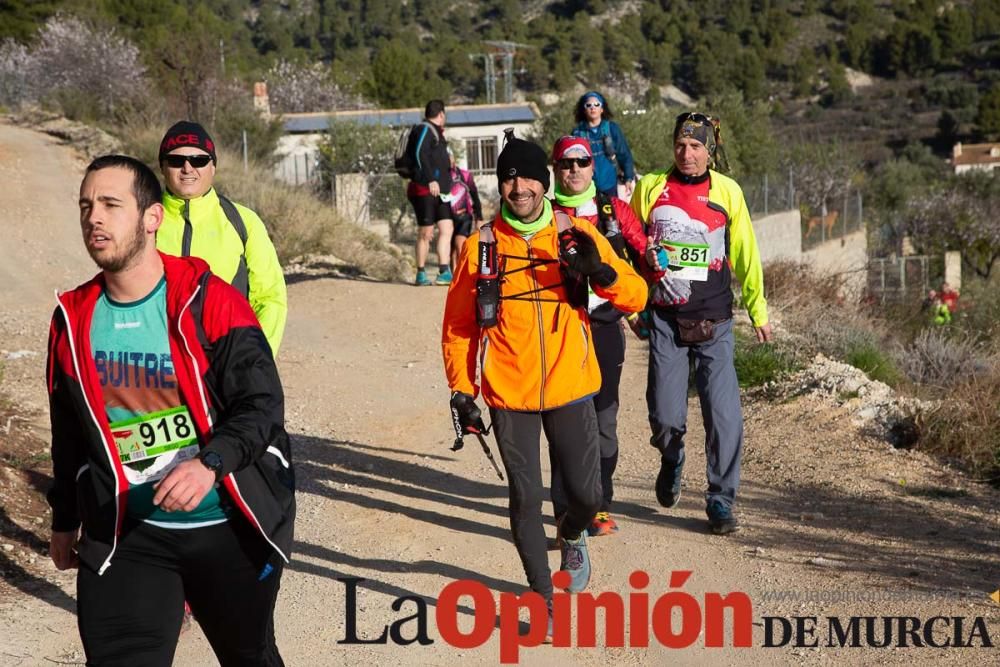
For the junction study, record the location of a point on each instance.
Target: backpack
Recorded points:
(241, 280)
(607, 143)
(405, 158)
(461, 193)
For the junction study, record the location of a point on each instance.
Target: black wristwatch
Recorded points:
(213, 462)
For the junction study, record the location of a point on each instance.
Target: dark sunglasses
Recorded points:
(196, 161)
(695, 116)
(592, 105)
(567, 163)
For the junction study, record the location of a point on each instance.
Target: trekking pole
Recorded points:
(479, 429)
(489, 454)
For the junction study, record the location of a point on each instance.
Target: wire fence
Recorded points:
(771, 193)
(903, 279)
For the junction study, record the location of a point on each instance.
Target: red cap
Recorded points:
(571, 147)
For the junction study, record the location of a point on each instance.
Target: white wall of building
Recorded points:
(299, 151)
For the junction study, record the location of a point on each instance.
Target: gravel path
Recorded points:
(836, 523)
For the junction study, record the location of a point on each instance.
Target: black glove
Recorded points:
(578, 252)
(465, 415)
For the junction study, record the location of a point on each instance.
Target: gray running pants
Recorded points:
(718, 393)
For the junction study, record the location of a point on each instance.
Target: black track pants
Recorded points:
(131, 615)
(609, 346)
(573, 440)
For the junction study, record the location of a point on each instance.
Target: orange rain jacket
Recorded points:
(539, 356)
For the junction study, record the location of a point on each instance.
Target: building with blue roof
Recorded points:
(478, 127)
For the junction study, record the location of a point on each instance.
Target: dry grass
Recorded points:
(939, 358)
(815, 318)
(966, 425)
(953, 364)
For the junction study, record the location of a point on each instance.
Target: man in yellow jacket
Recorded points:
(700, 236)
(231, 238)
(518, 307)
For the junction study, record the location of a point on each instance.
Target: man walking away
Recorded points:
(429, 190)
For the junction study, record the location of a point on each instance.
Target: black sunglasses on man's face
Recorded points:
(196, 161)
(567, 163)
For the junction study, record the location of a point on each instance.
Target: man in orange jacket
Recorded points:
(518, 305)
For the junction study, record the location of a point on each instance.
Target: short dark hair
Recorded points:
(581, 116)
(145, 186)
(433, 108)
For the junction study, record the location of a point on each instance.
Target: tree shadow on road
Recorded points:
(18, 577)
(334, 468)
(950, 545)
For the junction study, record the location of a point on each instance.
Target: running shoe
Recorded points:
(443, 278)
(602, 524)
(548, 630)
(668, 483)
(720, 518)
(576, 561)
(422, 279)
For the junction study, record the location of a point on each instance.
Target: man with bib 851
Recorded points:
(700, 235)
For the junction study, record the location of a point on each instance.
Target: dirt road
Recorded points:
(836, 524)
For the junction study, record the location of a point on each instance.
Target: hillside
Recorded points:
(836, 521)
(928, 57)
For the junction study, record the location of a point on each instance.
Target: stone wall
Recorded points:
(779, 235)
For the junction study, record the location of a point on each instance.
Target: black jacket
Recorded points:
(225, 376)
(431, 151)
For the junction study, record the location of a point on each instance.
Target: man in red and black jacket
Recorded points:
(576, 194)
(429, 191)
(172, 469)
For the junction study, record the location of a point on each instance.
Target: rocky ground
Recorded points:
(837, 521)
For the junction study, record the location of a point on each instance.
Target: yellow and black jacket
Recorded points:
(214, 239)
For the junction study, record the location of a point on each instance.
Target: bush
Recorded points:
(966, 425)
(940, 358)
(758, 364)
(876, 364)
(87, 72)
(789, 283)
(15, 74)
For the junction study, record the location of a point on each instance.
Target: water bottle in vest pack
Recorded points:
(487, 280)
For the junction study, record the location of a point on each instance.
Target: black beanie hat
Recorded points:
(187, 133)
(525, 159)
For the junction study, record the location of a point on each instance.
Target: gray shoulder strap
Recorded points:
(241, 280)
(562, 221)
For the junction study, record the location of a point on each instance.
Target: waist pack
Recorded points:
(691, 332)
